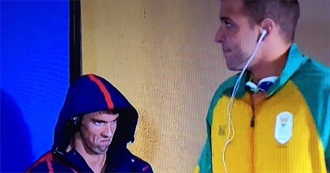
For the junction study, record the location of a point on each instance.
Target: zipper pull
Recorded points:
(252, 120)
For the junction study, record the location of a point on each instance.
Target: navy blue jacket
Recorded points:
(91, 93)
(73, 162)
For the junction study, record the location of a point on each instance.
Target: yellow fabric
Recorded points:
(196, 170)
(255, 149)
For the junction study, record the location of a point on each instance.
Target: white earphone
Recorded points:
(231, 130)
(262, 36)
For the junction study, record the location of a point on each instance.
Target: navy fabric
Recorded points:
(85, 96)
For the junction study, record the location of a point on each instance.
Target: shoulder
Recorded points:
(40, 167)
(313, 82)
(227, 84)
(224, 89)
(307, 73)
(47, 163)
(313, 77)
(50, 167)
(315, 69)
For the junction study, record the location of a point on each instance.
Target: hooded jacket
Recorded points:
(91, 93)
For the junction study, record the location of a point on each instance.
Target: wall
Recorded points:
(34, 68)
(162, 56)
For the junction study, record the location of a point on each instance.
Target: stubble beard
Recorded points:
(100, 150)
(237, 60)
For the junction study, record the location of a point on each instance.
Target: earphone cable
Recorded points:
(231, 129)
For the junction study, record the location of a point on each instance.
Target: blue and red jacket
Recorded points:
(74, 162)
(91, 93)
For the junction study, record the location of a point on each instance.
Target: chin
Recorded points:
(100, 150)
(231, 68)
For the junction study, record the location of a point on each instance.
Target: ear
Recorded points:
(267, 24)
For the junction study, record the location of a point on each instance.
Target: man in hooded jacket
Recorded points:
(94, 126)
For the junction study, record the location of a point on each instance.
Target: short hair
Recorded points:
(110, 111)
(285, 13)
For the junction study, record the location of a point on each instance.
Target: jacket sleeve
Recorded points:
(327, 148)
(50, 167)
(42, 167)
(327, 131)
(205, 160)
(327, 157)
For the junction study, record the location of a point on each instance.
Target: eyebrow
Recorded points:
(97, 120)
(222, 18)
(116, 118)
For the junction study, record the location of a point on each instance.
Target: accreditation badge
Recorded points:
(284, 127)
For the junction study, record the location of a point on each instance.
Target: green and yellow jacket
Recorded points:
(291, 130)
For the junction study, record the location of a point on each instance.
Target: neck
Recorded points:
(95, 161)
(271, 64)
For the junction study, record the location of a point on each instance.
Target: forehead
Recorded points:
(101, 116)
(231, 8)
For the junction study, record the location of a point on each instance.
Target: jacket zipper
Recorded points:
(252, 142)
(252, 121)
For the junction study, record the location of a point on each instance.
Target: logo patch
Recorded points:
(284, 127)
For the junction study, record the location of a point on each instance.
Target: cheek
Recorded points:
(250, 38)
(234, 32)
(95, 136)
(89, 132)
(247, 44)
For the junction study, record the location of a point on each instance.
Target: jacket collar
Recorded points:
(74, 160)
(295, 60)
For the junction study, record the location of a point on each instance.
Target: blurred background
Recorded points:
(160, 54)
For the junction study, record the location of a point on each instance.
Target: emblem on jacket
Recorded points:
(222, 130)
(284, 127)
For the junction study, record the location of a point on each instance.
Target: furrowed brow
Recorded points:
(98, 120)
(223, 18)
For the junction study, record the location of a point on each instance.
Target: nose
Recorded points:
(109, 130)
(219, 36)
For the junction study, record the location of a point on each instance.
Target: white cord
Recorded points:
(231, 129)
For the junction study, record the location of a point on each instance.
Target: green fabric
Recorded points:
(313, 81)
(205, 160)
(311, 78)
(327, 155)
(294, 62)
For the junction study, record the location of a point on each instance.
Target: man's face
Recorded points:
(97, 131)
(235, 34)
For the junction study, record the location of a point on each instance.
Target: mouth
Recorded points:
(105, 141)
(225, 50)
